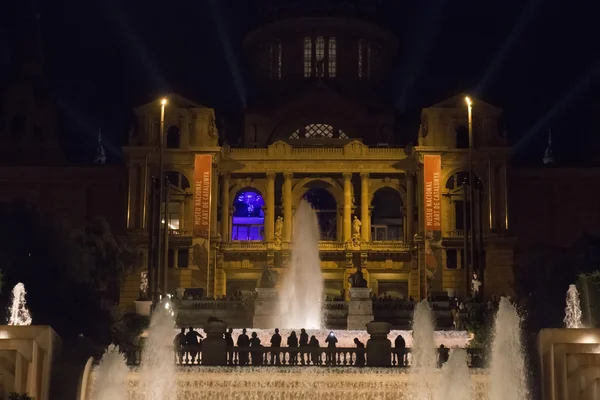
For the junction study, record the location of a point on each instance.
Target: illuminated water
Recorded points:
(19, 314)
(111, 379)
(456, 382)
(573, 309)
(298, 383)
(424, 356)
(508, 377)
(301, 292)
(157, 370)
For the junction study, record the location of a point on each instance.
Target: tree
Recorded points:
(105, 261)
(71, 276)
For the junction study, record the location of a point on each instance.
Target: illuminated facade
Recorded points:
(319, 129)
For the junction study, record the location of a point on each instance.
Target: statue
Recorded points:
(475, 284)
(266, 280)
(356, 224)
(278, 231)
(356, 279)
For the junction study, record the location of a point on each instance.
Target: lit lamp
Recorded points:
(162, 263)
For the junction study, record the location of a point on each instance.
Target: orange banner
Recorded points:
(202, 173)
(433, 212)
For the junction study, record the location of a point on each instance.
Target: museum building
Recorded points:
(419, 217)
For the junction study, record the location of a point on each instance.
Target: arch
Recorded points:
(376, 184)
(248, 218)
(248, 185)
(326, 209)
(332, 186)
(456, 176)
(178, 179)
(387, 216)
(173, 137)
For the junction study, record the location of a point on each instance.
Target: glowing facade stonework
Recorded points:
(361, 170)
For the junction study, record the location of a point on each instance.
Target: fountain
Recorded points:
(301, 292)
(456, 379)
(111, 376)
(424, 357)
(157, 370)
(19, 314)
(508, 377)
(573, 309)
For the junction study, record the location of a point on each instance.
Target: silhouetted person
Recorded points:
(275, 342)
(179, 343)
(331, 344)
(315, 355)
(257, 356)
(443, 354)
(292, 342)
(360, 353)
(229, 343)
(243, 342)
(400, 344)
(191, 340)
(303, 343)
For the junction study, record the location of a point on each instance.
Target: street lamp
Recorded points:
(161, 264)
(471, 183)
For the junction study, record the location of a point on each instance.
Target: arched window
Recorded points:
(178, 180)
(462, 137)
(326, 208)
(173, 138)
(455, 186)
(386, 219)
(248, 216)
(318, 131)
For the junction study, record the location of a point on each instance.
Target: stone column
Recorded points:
(214, 193)
(270, 222)
(360, 309)
(410, 213)
(287, 206)
(379, 347)
(225, 235)
(364, 206)
(214, 347)
(182, 224)
(347, 207)
(265, 309)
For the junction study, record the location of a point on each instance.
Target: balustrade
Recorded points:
(191, 355)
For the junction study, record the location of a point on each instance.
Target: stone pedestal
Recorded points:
(214, 347)
(379, 347)
(265, 309)
(360, 308)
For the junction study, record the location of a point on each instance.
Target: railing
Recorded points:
(180, 232)
(455, 233)
(244, 245)
(336, 305)
(213, 304)
(191, 355)
(390, 245)
(325, 245)
(297, 356)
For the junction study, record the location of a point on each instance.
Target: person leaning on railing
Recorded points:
(315, 355)
(331, 344)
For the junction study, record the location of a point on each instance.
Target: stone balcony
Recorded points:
(326, 246)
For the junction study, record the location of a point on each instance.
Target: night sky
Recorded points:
(536, 59)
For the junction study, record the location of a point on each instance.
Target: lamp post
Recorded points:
(161, 183)
(471, 183)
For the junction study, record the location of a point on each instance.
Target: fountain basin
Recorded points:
(304, 383)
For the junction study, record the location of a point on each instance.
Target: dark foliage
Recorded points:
(71, 277)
